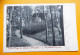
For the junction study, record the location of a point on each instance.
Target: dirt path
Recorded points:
(32, 41)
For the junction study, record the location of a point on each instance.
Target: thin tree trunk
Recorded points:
(10, 31)
(62, 24)
(21, 24)
(45, 24)
(28, 18)
(52, 26)
(46, 27)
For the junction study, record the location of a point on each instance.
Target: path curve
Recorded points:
(32, 41)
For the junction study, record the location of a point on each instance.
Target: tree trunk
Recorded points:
(46, 27)
(21, 24)
(62, 25)
(45, 17)
(52, 26)
(10, 31)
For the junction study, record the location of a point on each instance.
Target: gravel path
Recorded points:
(32, 41)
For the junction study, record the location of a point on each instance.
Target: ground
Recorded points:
(31, 41)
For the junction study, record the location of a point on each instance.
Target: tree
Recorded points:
(50, 7)
(21, 22)
(61, 23)
(10, 31)
(45, 16)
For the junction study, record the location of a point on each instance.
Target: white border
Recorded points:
(70, 30)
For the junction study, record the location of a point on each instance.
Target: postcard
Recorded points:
(40, 27)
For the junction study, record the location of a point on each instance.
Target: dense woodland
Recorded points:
(44, 23)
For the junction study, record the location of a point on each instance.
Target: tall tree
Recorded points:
(62, 25)
(21, 22)
(10, 32)
(50, 7)
(45, 16)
